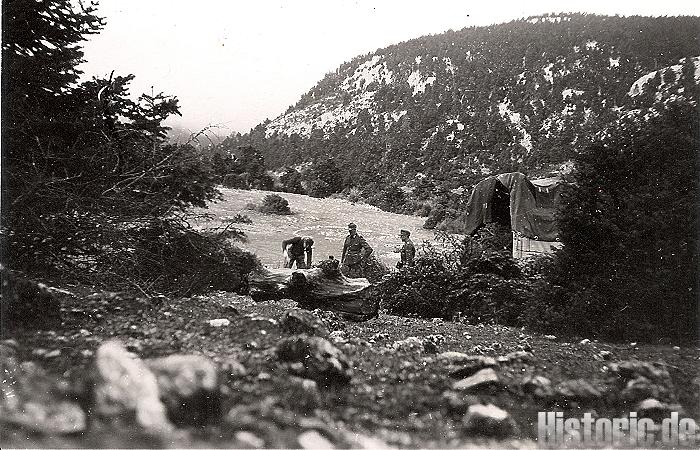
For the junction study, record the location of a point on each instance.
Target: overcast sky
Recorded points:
(236, 63)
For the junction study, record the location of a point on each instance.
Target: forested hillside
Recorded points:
(444, 111)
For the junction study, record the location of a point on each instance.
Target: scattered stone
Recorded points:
(489, 420)
(216, 323)
(364, 442)
(538, 386)
(53, 353)
(233, 369)
(60, 417)
(459, 402)
(604, 355)
(585, 342)
(9, 343)
(551, 337)
(337, 336)
(656, 410)
(249, 440)
(471, 365)
(482, 379)
(40, 352)
(188, 386)
(578, 390)
(313, 440)
(379, 336)
(432, 342)
(410, 343)
(301, 321)
(642, 388)
(27, 397)
(125, 388)
(454, 356)
(320, 360)
(264, 376)
(301, 393)
(518, 356)
(629, 370)
(675, 347)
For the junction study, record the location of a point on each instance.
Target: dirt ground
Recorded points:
(397, 393)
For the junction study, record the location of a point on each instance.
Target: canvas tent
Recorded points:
(528, 207)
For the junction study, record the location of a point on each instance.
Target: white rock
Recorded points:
(482, 378)
(219, 323)
(249, 439)
(313, 440)
(453, 356)
(585, 341)
(124, 384)
(488, 420)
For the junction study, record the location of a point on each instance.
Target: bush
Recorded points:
(274, 204)
(240, 218)
(461, 279)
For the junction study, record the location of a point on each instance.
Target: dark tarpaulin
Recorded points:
(487, 203)
(531, 208)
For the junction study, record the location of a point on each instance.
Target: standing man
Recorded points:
(355, 250)
(407, 250)
(299, 250)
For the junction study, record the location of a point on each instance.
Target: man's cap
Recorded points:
(406, 232)
(352, 225)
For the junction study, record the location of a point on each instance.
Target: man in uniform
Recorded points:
(299, 250)
(355, 250)
(407, 250)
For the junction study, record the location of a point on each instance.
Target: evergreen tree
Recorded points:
(629, 229)
(93, 189)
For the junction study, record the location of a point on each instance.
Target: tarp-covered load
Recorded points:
(528, 207)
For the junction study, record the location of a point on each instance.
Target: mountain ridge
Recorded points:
(525, 95)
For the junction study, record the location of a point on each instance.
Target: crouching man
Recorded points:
(298, 250)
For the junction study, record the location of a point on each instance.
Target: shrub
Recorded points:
(240, 218)
(274, 204)
(460, 278)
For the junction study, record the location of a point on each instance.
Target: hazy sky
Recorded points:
(235, 63)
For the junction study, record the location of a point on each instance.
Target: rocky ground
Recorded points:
(223, 371)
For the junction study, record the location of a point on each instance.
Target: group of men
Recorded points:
(356, 250)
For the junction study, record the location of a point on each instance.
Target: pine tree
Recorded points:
(90, 173)
(629, 229)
